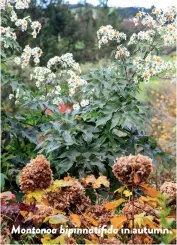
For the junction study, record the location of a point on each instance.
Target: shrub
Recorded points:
(124, 208)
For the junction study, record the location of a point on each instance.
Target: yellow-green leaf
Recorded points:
(58, 240)
(37, 195)
(56, 219)
(120, 190)
(63, 183)
(127, 193)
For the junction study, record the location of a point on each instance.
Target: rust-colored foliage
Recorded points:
(64, 202)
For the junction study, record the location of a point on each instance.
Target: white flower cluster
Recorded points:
(21, 4)
(36, 27)
(18, 93)
(65, 61)
(13, 16)
(107, 33)
(18, 4)
(142, 36)
(5, 34)
(151, 66)
(54, 95)
(121, 52)
(27, 54)
(146, 19)
(74, 82)
(159, 22)
(83, 103)
(23, 23)
(42, 75)
(170, 37)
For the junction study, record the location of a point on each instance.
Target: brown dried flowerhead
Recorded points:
(126, 168)
(169, 188)
(40, 213)
(137, 208)
(36, 175)
(69, 198)
(99, 213)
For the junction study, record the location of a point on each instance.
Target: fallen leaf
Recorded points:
(102, 180)
(24, 213)
(91, 219)
(150, 223)
(149, 200)
(75, 220)
(56, 219)
(114, 204)
(149, 190)
(90, 179)
(118, 221)
(37, 195)
(58, 240)
(139, 219)
(63, 183)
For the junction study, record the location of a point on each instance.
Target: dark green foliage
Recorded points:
(113, 125)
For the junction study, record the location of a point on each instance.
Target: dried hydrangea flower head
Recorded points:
(41, 212)
(169, 188)
(99, 213)
(70, 197)
(137, 208)
(126, 168)
(36, 175)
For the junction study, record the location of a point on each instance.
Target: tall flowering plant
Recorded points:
(113, 120)
(58, 80)
(106, 118)
(159, 30)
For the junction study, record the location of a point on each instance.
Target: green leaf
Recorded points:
(115, 120)
(103, 120)
(119, 133)
(3, 178)
(64, 166)
(67, 138)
